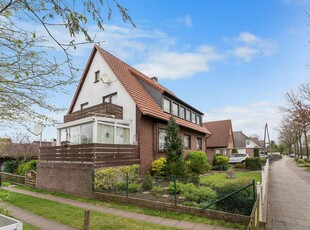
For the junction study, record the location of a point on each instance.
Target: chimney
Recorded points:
(154, 78)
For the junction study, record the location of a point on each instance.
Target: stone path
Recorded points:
(288, 197)
(151, 219)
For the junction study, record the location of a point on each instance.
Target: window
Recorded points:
(167, 105)
(161, 139)
(105, 134)
(122, 135)
(111, 98)
(84, 105)
(182, 112)
(188, 115)
(198, 120)
(199, 143)
(247, 143)
(74, 135)
(193, 117)
(187, 141)
(86, 133)
(97, 76)
(175, 109)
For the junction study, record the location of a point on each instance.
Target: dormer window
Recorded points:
(182, 112)
(167, 105)
(97, 76)
(175, 109)
(188, 115)
(193, 117)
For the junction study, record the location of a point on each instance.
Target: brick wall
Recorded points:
(68, 178)
(234, 218)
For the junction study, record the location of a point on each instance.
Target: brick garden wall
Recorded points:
(68, 178)
(234, 218)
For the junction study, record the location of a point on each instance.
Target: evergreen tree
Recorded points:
(174, 150)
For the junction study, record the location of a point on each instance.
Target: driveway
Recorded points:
(288, 196)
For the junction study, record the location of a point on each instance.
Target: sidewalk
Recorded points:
(141, 217)
(35, 220)
(288, 197)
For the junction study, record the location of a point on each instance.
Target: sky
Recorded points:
(229, 59)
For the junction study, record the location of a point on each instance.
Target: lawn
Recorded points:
(74, 216)
(221, 179)
(146, 211)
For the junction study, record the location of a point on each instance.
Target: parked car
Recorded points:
(238, 158)
(292, 155)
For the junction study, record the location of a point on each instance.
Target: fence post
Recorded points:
(254, 192)
(175, 189)
(127, 184)
(86, 219)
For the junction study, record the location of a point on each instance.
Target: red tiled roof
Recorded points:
(220, 133)
(143, 100)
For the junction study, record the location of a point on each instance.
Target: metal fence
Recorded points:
(235, 198)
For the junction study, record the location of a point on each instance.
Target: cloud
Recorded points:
(186, 21)
(250, 119)
(247, 46)
(176, 65)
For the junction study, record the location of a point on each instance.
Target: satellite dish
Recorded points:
(38, 129)
(105, 78)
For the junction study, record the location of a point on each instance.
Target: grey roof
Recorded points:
(240, 139)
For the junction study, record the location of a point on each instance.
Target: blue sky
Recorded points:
(229, 59)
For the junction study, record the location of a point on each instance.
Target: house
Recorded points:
(118, 116)
(221, 140)
(244, 144)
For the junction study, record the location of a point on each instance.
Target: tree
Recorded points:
(29, 75)
(174, 150)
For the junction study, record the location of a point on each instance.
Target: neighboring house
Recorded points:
(221, 140)
(116, 104)
(244, 144)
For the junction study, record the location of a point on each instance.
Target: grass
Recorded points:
(220, 178)
(29, 227)
(307, 169)
(74, 216)
(146, 211)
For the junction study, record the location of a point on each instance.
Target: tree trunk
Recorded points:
(300, 146)
(306, 142)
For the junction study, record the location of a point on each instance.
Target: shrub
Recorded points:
(27, 166)
(221, 162)
(208, 166)
(234, 151)
(158, 166)
(132, 171)
(198, 194)
(264, 160)
(239, 166)
(133, 187)
(10, 166)
(239, 203)
(148, 182)
(105, 179)
(120, 186)
(300, 161)
(253, 163)
(306, 160)
(196, 162)
(157, 190)
(296, 159)
(176, 168)
(256, 152)
(178, 186)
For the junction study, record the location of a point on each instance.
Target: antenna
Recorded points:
(105, 78)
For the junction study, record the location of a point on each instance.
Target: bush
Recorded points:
(208, 166)
(296, 159)
(132, 171)
(253, 163)
(221, 162)
(300, 161)
(157, 190)
(239, 166)
(105, 179)
(176, 168)
(120, 186)
(306, 160)
(264, 160)
(256, 152)
(235, 151)
(27, 166)
(148, 182)
(239, 203)
(133, 187)
(198, 194)
(158, 166)
(178, 186)
(196, 161)
(10, 166)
